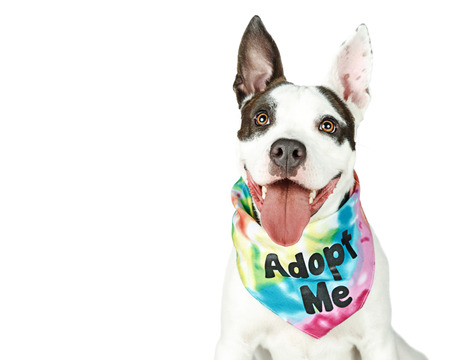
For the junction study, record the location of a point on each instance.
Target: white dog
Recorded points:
(308, 279)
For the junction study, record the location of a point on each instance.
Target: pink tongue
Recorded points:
(285, 212)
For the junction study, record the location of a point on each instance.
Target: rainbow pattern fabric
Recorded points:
(317, 283)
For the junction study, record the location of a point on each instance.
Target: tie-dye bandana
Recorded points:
(316, 283)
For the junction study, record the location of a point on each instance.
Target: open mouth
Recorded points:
(286, 207)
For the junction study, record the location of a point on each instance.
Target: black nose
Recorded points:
(287, 155)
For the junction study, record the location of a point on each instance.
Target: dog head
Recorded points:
(296, 144)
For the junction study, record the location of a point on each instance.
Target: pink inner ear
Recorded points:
(257, 72)
(354, 62)
(261, 81)
(255, 83)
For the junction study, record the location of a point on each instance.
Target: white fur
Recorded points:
(248, 328)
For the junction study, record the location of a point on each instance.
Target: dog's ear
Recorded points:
(351, 72)
(259, 61)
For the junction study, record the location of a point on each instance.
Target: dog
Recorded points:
(296, 149)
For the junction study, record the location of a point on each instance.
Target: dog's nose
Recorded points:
(288, 155)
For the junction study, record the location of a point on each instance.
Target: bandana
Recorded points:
(316, 283)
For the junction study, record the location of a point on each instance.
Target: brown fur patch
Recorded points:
(260, 102)
(348, 132)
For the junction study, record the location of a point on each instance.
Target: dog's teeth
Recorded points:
(312, 196)
(264, 192)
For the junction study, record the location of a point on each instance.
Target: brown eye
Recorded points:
(327, 125)
(262, 119)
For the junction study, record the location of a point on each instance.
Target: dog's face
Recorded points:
(296, 143)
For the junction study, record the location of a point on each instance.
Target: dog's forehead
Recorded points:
(302, 103)
(301, 108)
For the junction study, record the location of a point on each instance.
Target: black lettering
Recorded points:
(346, 237)
(338, 294)
(272, 263)
(297, 268)
(333, 261)
(316, 269)
(310, 300)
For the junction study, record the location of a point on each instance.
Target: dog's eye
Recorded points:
(262, 119)
(327, 125)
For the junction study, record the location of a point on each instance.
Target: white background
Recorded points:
(118, 125)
